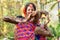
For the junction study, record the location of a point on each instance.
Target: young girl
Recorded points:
(44, 20)
(24, 28)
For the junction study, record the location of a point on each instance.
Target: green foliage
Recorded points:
(58, 12)
(58, 30)
(53, 6)
(53, 30)
(49, 38)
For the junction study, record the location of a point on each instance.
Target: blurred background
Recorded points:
(15, 8)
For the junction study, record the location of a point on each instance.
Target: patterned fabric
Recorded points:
(43, 38)
(25, 31)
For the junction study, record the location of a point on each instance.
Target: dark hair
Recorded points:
(44, 12)
(20, 17)
(28, 5)
(25, 8)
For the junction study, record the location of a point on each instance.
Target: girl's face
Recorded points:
(43, 16)
(30, 9)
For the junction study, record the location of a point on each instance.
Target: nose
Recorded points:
(31, 11)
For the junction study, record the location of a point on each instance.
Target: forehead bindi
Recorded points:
(31, 6)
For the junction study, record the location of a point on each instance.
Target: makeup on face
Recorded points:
(30, 9)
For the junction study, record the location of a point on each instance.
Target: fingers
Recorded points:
(34, 13)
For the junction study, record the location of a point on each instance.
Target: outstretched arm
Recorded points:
(42, 32)
(48, 20)
(11, 20)
(47, 29)
(17, 20)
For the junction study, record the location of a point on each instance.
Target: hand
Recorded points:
(5, 18)
(48, 17)
(34, 13)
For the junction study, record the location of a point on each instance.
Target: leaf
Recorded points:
(58, 30)
(49, 2)
(53, 5)
(53, 30)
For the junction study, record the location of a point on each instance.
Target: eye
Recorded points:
(28, 9)
(32, 10)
